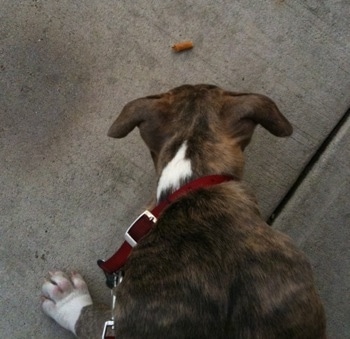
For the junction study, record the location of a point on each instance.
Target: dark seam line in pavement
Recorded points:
(274, 215)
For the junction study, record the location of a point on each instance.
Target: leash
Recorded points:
(113, 266)
(108, 329)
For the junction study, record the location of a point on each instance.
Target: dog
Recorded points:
(210, 267)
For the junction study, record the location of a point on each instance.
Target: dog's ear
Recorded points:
(131, 116)
(151, 115)
(245, 111)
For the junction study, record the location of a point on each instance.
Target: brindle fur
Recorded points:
(211, 267)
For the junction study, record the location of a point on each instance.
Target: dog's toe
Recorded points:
(57, 287)
(48, 306)
(78, 282)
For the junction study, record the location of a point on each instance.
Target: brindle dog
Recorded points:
(210, 267)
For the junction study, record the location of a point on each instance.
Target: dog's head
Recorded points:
(209, 125)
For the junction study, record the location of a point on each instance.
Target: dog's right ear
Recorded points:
(244, 111)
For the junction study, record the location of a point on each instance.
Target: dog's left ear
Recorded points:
(245, 111)
(150, 114)
(132, 115)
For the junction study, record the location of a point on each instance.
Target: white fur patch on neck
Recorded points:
(174, 172)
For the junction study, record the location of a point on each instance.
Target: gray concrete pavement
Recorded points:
(317, 217)
(68, 67)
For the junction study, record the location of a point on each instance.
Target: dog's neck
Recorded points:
(176, 173)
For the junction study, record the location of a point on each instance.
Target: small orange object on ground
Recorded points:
(182, 46)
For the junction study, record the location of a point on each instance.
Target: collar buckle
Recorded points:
(128, 236)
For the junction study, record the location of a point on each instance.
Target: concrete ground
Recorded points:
(317, 217)
(68, 192)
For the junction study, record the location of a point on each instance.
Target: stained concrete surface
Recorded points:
(68, 67)
(317, 217)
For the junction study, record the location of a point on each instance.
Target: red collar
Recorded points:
(143, 224)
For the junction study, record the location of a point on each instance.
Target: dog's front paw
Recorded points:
(64, 298)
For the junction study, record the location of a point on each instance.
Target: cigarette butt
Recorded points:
(182, 46)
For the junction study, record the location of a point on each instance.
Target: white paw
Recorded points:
(64, 298)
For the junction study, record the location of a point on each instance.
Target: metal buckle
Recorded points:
(128, 238)
(108, 330)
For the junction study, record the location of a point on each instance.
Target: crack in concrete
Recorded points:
(309, 166)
